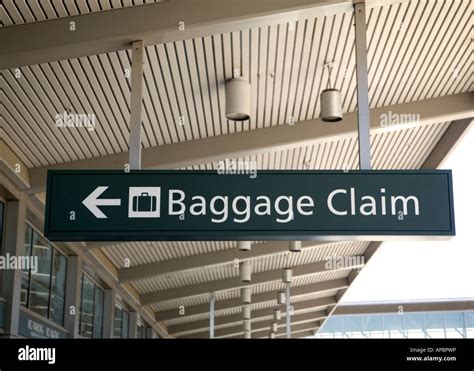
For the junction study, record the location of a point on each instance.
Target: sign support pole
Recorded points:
(288, 315)
(363, 115)
(212, 315)
(136, 106)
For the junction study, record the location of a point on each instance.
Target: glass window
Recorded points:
(435, 325)
(469, 318)
(454, 324)
(58, 287)
(98, 312)
(117, 322)
(40, 281)
(125, 320)
(393, 325)
(2, 208)
(43, 288)
(25, 276)
(373, 325)
(92, 309)
(414, 325)
(87, 307)
(140, 331)
(121, 320)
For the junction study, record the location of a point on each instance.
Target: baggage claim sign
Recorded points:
(111, 205)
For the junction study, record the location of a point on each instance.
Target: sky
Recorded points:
(428, 270)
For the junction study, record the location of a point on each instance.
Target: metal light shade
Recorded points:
(274, 327)
(295, 246)
(247, 325)
(277, 314)
(237, 99)
(287, 275)
(246, 295)
(244, 245)
(245, 272)
(281, 297)
(331, 106)
(246, 312)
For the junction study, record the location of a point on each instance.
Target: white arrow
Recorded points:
(92, 201)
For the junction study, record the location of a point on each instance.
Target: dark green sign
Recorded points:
(268, 205)
(31, 327)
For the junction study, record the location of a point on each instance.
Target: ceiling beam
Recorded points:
(259, 326)
(250, 142)
(182, 293)
(447, 143)
(315, 304)
(222, 305)
(221, 257)
(302, 334)
(306, 328)
(440, 306)
(156, 23)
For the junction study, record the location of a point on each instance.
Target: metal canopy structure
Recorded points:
(419, 78)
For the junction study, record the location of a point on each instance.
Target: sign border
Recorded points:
(323, 235)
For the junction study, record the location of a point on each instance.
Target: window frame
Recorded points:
(54, 248)
(96, 286)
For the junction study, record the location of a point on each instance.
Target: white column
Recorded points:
(288, 316)
(72, 300)
(15, 212)
(363, 115)
(132, 325)
(212, 313)
(135, 140)
(109, 309)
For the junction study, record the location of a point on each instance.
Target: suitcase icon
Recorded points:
(144, 202)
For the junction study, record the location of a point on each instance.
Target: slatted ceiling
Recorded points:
(423, 46)
(254, 306)
(259, 265)
(256, 289)
(140, 253)
(284, 66)
(21, 11)
(389, 151)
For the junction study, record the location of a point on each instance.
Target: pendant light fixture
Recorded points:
(245, 271)
(277, 315)
(295, 246)
(246, 312)
(244, 245)
(237, 99)
(281, 298)
(287, 275)
(331, 103)
(246, 295)
(247, 325)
